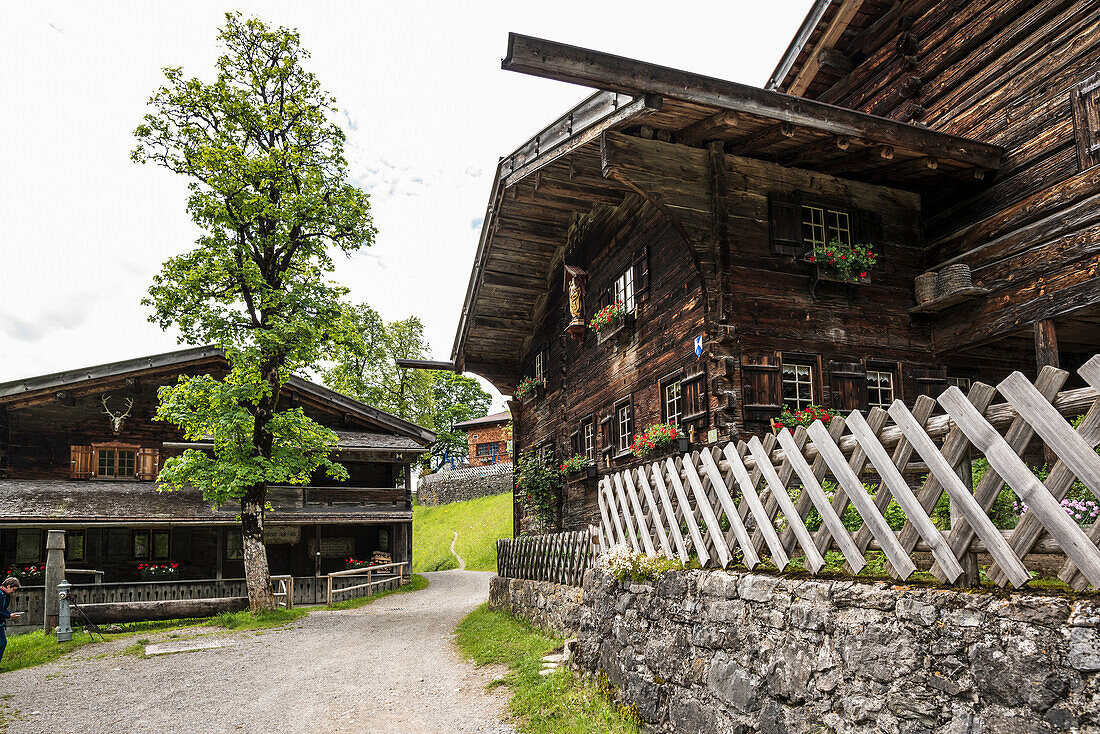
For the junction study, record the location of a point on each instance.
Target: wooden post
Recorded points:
(969, 560)
(55, 572)
(328, 590)
(1046, 353)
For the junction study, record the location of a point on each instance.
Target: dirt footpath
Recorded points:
(386, 667)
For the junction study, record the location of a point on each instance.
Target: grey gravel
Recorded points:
(390, 666)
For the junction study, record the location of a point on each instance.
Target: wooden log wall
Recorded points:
(1002, 73)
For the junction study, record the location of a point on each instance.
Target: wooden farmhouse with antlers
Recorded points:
(79, 451)
(957, 142)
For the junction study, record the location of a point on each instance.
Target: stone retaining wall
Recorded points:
(710, 651)
(464, 484)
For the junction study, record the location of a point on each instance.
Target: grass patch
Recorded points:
(38, 648)
(248, 621)
(418, 583)
(559, 703)
(480, 523)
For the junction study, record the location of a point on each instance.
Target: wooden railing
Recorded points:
(392, 579)
(560, 557)
(283, 588)
(722, 504)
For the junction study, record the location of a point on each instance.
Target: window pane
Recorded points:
(813, 225)
(839, 227)
(160, 544)
(626, 427)
(106, 463)
(126, 463)
(140, 541)
(798, 388)
(880, 388)
(673, 403)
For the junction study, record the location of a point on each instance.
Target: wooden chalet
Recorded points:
(940, 134)
(79, 451)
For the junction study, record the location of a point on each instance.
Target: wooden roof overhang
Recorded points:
(833, 38)
(163, 368)
(560, 172)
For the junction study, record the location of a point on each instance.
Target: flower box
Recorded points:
(158, 571)
(529, 389)
(621, 330)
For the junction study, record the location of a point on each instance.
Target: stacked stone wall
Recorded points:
(710, 651)
(464, 484)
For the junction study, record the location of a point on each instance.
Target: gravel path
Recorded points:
(386, 667)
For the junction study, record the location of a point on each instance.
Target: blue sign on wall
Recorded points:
(699, 346)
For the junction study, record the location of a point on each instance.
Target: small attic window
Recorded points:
(1086, 121)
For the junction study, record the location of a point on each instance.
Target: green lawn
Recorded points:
(35, 648)
(559, 703)
(479, 524)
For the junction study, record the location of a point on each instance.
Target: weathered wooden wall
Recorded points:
(999, 71)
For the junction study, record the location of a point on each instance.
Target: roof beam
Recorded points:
(829, 38)
(566, 63)
(644, 105)
(709, 128)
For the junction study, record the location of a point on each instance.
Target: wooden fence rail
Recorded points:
(559, 557)
(749, 500)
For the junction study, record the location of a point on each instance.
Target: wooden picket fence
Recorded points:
(559, 557)
(677, 506)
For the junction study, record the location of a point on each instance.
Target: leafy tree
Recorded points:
(269, 189)
(365, 368)
(456, 398)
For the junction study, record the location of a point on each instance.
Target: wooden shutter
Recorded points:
(869, 232)
(930, 381)
(81, 462)
(761, 386)
(148, 464)
(575, 444)
(606, 434)
(785, 223)
(641, 273)
(693, 394)
(849, 383)
(604, 299)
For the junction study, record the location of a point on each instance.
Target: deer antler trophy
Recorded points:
(117, 420)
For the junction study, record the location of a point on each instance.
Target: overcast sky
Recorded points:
(427, 111)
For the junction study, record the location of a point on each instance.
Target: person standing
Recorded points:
(9, 587)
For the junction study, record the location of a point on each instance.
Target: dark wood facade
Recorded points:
(956, 139)
(66, 464)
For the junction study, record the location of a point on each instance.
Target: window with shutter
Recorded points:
(607, 435)
(80, 462)
(930, 381)
(760, 384)
(1085, 101)
(849, 383)
(785, 224)
(693, 399)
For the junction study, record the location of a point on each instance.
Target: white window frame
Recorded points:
(877, 395)
(623, 291)
(540, 365)
(803, 377)
(588, 437)
(821, 225)
(624, 422)
(673, 404)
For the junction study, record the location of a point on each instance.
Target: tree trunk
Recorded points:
(257, 576)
